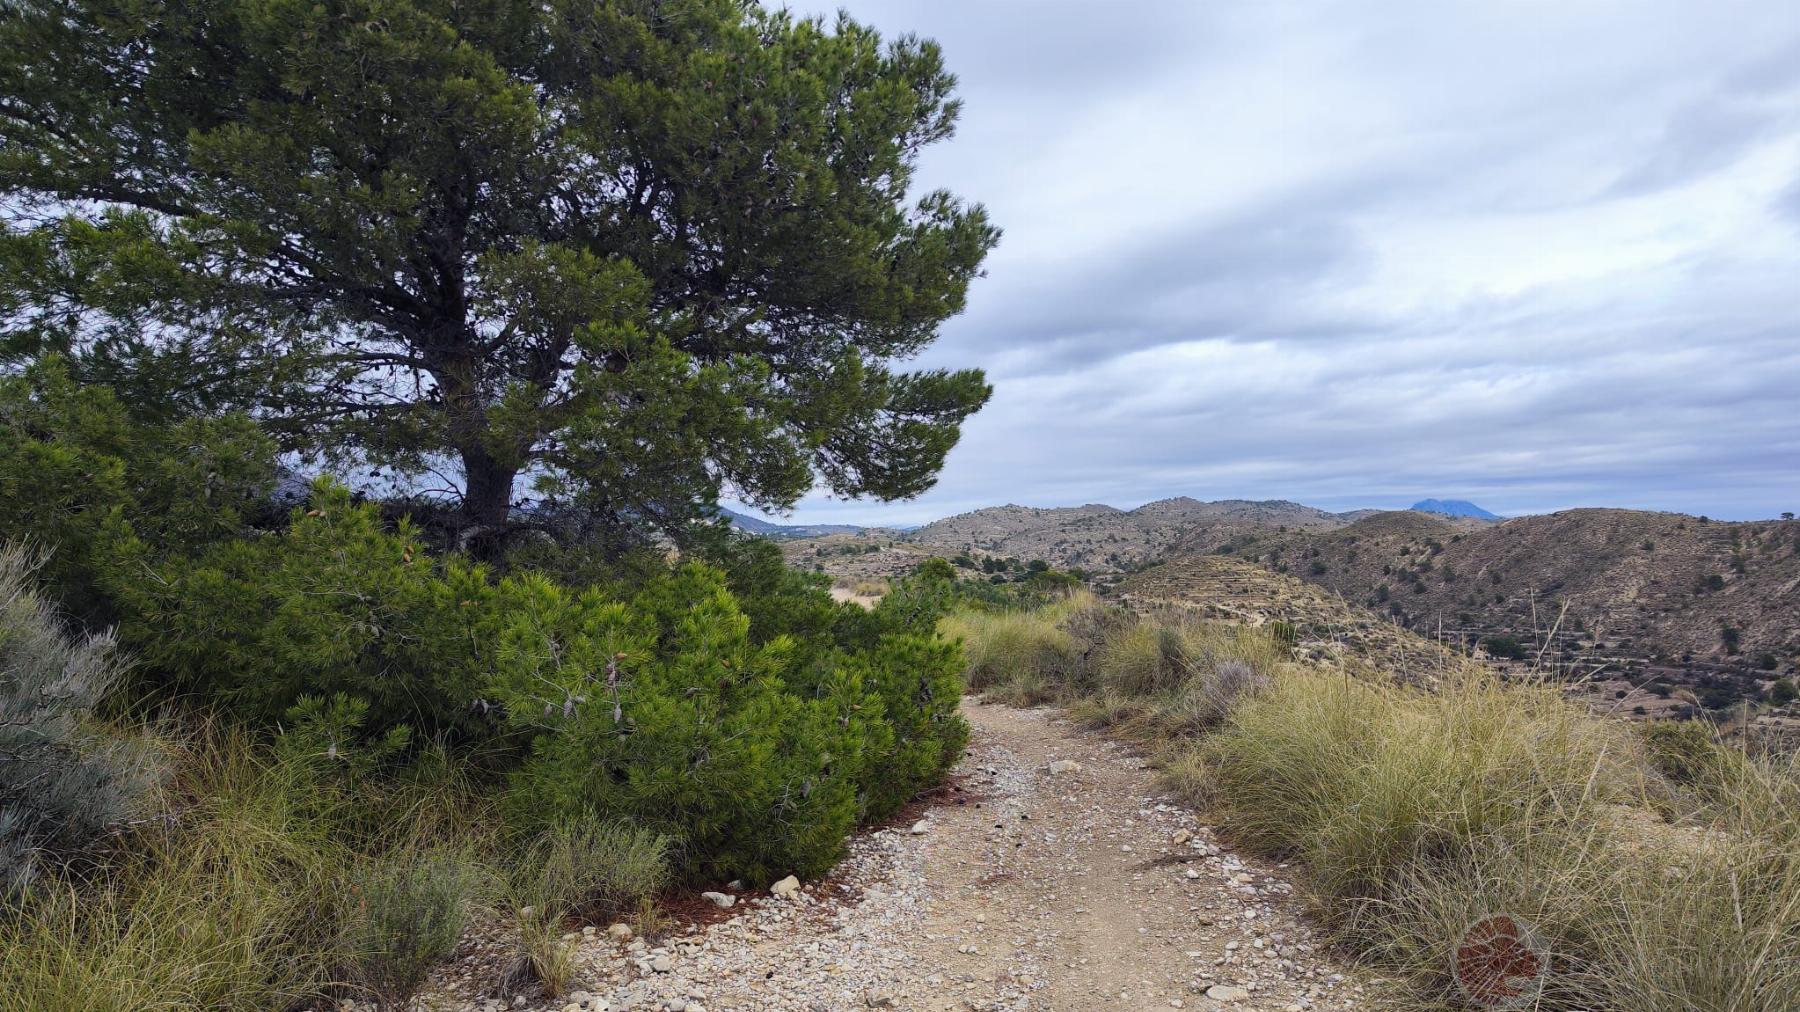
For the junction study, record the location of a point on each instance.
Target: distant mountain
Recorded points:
(751, 525)
(1454, 508)
(1102, 539)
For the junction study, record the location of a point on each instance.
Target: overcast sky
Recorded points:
(1534, 254)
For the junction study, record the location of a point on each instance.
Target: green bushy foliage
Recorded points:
(77, 470)
(665, 711)
(62, 780)
(893, 650)
(918, 681)
(1504, 647)
(335, 603)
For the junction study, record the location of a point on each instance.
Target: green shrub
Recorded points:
(333, 604)
(76, 471)
(63, 781)
(1783, 692)
(663, 712)
(405, 914)
(1504, 647)
(921, 732)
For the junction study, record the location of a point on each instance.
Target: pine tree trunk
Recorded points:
(487, 498)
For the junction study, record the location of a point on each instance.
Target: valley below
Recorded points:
(1641, 614)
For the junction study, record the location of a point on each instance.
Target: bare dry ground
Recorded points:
(1053, 876)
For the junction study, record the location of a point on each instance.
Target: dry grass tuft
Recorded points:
(1661, 868)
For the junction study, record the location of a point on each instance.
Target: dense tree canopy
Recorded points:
(640, 252)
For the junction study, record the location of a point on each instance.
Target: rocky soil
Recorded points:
(1053, 876)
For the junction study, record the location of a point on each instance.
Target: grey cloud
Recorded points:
(1538, 255)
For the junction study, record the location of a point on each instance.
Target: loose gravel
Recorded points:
(1054, 878)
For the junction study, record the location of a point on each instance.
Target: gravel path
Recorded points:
(1056, 878)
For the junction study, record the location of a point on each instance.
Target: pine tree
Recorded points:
(640, 252)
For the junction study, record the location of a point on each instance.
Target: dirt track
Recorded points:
(1035, 886)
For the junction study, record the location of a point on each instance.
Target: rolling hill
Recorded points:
(1602, 594)
(1105, 539)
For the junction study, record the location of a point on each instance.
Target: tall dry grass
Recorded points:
(229, 904)
(271, 881)
(1660, 866)
(1415, 814)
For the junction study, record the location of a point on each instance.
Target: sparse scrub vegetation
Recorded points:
(64, 778)
(406, 914)
(1656, 864)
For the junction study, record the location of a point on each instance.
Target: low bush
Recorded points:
(77, 471)
(920, 733)
(663, 710)
(405, 914)
(341, 604)
(64, 779)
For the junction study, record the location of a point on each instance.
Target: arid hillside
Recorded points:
(1327, 629)
(1599, 593)
(1102, 539)
(853, 557)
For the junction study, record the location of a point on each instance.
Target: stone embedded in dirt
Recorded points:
(1181, 836)
(1061, 766)
(880, 999)
(786, 887)
(921, 827)
(662, 963)
(620, 932)
(723, 901)
(1227, 992)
